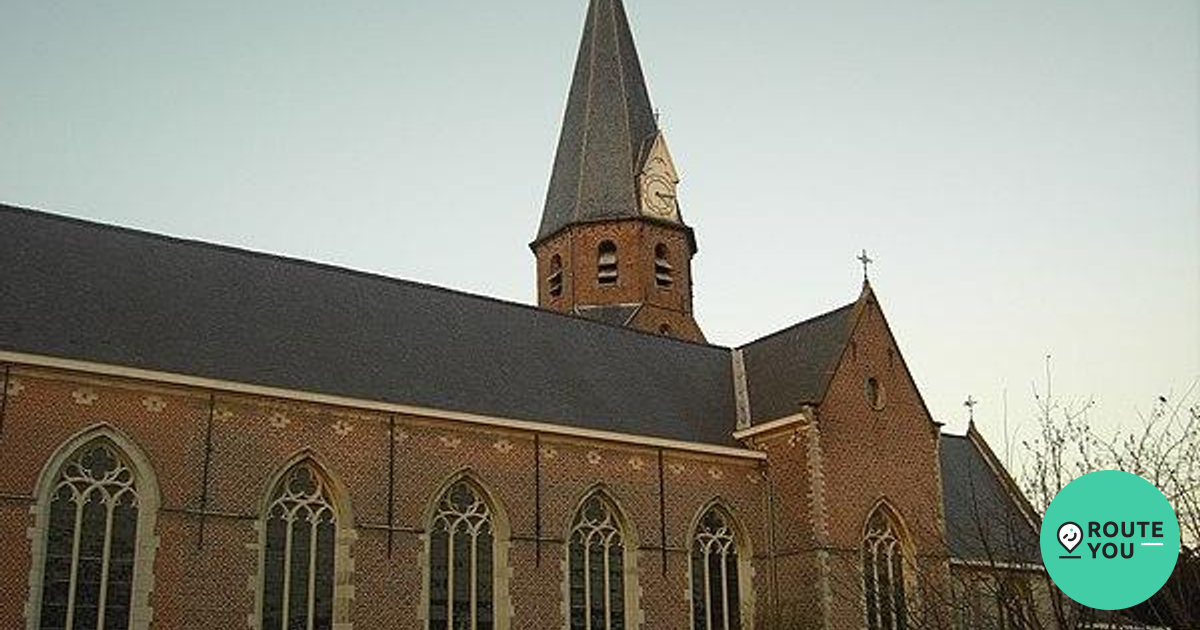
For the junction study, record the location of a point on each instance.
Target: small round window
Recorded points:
(875, 393)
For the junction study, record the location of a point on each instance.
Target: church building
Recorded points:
(200, 437)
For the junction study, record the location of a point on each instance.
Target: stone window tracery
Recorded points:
(299, 555)
(91, 543)
(716, 590)
(461, 572)
(883, 573)
(596, 568)
(93, 538)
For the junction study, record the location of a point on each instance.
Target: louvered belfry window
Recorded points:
(91, 542)
(460, 562)
(716, 598)
(596, 568)
(301, 538)
(883, 574)
(606, 263)
(555, 280)
(664, 273)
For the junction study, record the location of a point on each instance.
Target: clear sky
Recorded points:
(1025, 172)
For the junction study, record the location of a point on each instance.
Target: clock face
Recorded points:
(658, 196)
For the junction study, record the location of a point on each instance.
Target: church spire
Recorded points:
(612, 246)
(608, 130)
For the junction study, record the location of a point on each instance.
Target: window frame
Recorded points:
(895, 526)
(147, 539)
(745, 568)
(632, 606)
(608, 271)
(343, 578)
(501, 541)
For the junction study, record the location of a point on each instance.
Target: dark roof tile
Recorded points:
(983, 521)
(85, 291)
(792, 367)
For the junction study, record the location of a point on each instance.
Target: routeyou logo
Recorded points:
(1110, 540)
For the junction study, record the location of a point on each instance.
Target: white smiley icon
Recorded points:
(1069, 536)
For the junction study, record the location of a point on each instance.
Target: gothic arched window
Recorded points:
(300, 552)
(883, 572)
(93, 549)
(664, 273)
(716, 592)
(596, 567)
(606, 262)
(461, 548)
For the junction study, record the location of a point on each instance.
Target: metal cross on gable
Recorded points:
(970, 403)
(865, 260)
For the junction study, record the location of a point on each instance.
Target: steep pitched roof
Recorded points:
(606, 128)
(792, 367)
(987, 519)
(86, 291)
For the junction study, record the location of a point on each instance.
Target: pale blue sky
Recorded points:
(1024, 171)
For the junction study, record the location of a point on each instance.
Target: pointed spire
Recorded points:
(606, 130)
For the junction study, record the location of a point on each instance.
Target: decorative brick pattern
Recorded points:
(801, 512)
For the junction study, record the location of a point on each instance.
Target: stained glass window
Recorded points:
(716, 599)
(596, 568)
(460, 562)
(91, 542)
(298, 562)
(883, 574)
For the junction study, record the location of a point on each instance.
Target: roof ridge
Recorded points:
(330, 267)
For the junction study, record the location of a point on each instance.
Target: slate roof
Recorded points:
(606, 128)
(983, 519)
(790, 368)
(86, 291)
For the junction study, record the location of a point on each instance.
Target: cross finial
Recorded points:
(865, 260)
(657, 115)
(970, 403)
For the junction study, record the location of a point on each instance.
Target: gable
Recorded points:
(79, 290)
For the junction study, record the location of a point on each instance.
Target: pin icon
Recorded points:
(1069, 536)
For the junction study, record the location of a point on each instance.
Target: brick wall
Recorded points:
(206, 558)
(872, 455)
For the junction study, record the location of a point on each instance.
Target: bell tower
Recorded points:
(612, 244)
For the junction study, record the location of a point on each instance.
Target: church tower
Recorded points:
(612, 245)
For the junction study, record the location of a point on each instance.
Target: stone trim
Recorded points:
(741, 392)
(343, 560)
(502, 570)
(820, 523)
(141, 613)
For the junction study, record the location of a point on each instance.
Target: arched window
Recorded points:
(664, 273)
(555, 279)
(716, 591)
(883, 572)
(606, 263)
(461, 557)
(94, 537)
(599, 559)
(300, 552)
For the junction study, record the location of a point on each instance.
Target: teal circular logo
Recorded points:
(1110, 540)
